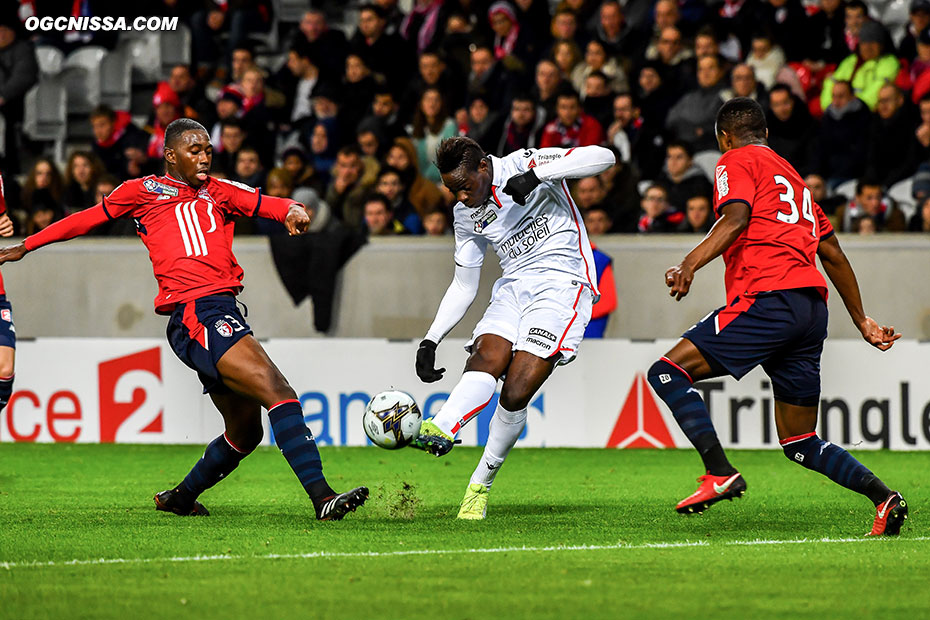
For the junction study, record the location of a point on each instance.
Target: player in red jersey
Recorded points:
(185, 220)
(7, 330)
(769, 231)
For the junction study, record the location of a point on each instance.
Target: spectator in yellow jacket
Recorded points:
(867, 70)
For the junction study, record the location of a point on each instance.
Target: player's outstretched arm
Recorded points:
(841, 273)
(74, 225)
(733, 220)
(576, 163)
(459, 296)
(12, 253)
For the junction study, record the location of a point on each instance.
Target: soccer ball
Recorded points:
(392, 419)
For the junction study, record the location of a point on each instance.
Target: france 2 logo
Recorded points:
(223, 328)
(131, 393)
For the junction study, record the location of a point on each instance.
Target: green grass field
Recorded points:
(404, 554)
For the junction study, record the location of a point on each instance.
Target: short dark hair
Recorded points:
(379, 197)
(458, 152)
(680, 144)
(743, 118)
(232, 122)
(178, 128)
(864, 182)
(386, 170)
(781, 88)
(374, 8)
(597, 73)
(350, 149)
(525, 97)
(103, 110)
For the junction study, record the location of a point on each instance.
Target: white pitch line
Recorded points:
(406, 552)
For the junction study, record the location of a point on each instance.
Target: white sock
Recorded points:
(503, 433)
(472, 394)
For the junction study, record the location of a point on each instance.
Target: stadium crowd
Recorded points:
(351, 116)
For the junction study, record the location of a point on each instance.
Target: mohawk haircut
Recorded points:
(178, 128)
(742, 118)
(458, 152)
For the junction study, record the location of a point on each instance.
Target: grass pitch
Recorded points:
(569, 533)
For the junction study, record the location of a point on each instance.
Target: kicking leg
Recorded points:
(489, 359)
(248, 371)
(796, 434)
(525, 376)
(672, 377)
(244, 432)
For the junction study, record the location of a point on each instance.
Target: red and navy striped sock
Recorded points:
(836, 464)
(218, 461)
(297, 445)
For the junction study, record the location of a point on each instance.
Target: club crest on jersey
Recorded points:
(486, 218)
(6, 315)
(157, 187)
(205, 195)
(223, 328)
(723, 187)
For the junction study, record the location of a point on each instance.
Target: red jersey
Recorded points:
(777, 249)
(188, 232)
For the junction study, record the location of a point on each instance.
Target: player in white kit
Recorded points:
(520, 206)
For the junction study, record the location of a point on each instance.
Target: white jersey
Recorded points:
(544, 238)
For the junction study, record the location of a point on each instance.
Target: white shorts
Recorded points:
(539, 316)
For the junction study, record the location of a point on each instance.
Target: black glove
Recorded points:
(520, 186)
(426, 362)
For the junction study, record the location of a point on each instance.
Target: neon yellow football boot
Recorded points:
(475, 503)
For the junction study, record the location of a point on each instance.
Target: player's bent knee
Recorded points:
(514, 399)
(666, 378)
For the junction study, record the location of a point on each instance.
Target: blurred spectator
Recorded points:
(867, 69)
(385, 115)
(534, 17)
(766, 59)
(491, 77)
(522, 129)
(386, 54)
(699, 216)
(653, 96)
(436, 223)
(346, 192)
(856, 16)
(792, 131)
(672, 58)
(81, 174)
(484, 125)
(596, 59)
(637, 141)
(369, 139)
(844, 137)
(237, 17)
(919, 21)
(743, 84)
(114, 133)
(827, 28)
(431, 125)
(167, 109)
(818, 188)
(422, 193)
(323, 146)
(572, 127)
(922, 133)
(920, 64)
(599, 100)
(548, 83)
(393, 16)
(326, 104)
(787, 22)
(920, 221)
(325, 46)
(421, 26)
(391, 186)
(869, 203)
(459, 37)
(43, 191)
(243, 57)
(682, 178)
(892, 143)
(232, 139)
(256, 117)
(657, 215)
(564, 27)
(19, 71)
(280, 184)
(302, 66)
(619, 37)
(432, 73)
(358, 91)
(589, 192)
(920, 188)
(379, 217)
(566, 56)
(692, 118)
(597, 222)
(515, 44)
(105, 184)
(228, 107)
(193, 98)
(120, 227)
(622, 202)
(295, 161)
(249, 168)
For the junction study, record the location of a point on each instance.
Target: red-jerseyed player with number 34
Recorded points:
(185, 220)
(768, 230)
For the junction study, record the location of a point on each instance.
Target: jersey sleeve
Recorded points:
(122, 200)
(2, 197)
(469, 247)
(239, 198)
(733, 182)
(823, 223)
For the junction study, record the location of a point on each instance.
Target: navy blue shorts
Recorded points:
(201, 331)
(781, 330)
(7, 329)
